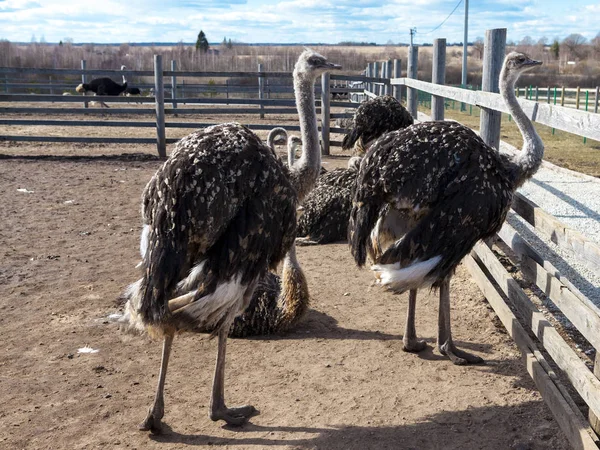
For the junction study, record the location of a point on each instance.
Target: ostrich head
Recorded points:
(515, 64)
(354, 162)
(311, 64)
(295, 143)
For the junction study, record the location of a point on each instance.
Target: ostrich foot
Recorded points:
(234, 416)
(413, 345)
(304, 241)
(458, 357)
(152, 422)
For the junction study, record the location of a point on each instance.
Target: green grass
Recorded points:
(561, 148)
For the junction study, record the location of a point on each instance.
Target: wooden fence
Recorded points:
(538, 340)
(222, 99)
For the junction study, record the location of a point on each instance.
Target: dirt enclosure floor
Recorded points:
(69, 245)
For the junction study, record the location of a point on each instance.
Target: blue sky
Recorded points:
(302, 21)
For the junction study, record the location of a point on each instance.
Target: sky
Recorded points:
(292, 21)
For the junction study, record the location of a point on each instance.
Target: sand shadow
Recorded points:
(487, 428)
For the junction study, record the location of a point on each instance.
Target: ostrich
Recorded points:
(218, 214)
(103, 86)
(277, 305)
(373, 118)
(437, 189)
(132, 91)
(327, 207)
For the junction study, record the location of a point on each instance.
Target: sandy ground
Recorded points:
(339, 381)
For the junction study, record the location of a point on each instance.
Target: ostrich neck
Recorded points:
(291, 155)
(306, 170)
(529, 159)
(293, 299)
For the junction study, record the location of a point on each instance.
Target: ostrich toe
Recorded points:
(459, 357)
(234, 416)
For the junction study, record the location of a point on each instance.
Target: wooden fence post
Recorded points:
(596, 100)
(174, 84)
(388, 76)
(369, 74)
(261, 91)
(376, 74)
(562, 96)
(595, 421)
(396, 91)
(577, 97)
(325, 99)
(159, 94)
(84, 80)
(51, 85)
(438, 76)
(411, 93)
(548, 95)
(493, 58)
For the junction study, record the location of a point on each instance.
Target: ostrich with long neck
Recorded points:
(439, 189)
(217, 215)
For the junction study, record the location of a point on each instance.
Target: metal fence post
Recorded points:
(159, 93)
(438, 76)
(325, 104)
(84, 80)
(261, 91)
(493, 57)
(174, 84)
(369, 74)
(396, 91)
(388, 76)
(412, 93)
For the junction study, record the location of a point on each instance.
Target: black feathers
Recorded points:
(375, 117)
(102, 86)
(454, 188)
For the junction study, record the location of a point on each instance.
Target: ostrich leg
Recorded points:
(410, 341)
(157, 410)
(218, 411)
(445, 344)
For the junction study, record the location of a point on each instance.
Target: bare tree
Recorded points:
(595, 43)
(478, 47)
(574, 44)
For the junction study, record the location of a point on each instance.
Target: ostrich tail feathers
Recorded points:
(362, 221)
(413, 276)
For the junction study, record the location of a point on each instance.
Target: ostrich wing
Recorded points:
(221, 205)
(454, 187)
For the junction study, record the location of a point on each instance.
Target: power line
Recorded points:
(455, 8)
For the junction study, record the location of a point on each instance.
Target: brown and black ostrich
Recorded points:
(437, 188)
(104, 86)
(217, 216)
(373, 118)
(326, 209)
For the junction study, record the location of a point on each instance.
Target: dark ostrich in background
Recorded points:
(425, 195)
(373, 118)
(327, 207)
(218, 215)
(104, 86)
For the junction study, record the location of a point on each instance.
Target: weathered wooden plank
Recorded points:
(412, 94)
(396, 73)
(94, 140)
(570, 420)
(571, 120)
(228, 111)
(93, 72)
(493, 57)
(594, 419)
(325, 125)
(72, 98)
(62, 111)
(586, 317)
(438, 76)
(78, 123)
(575, 243)
(159, 92)
(586, 384)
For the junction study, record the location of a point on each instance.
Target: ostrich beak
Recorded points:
(533, 62)
(332, 66)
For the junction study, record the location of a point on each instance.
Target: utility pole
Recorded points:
(413, 31)
(463, 81)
